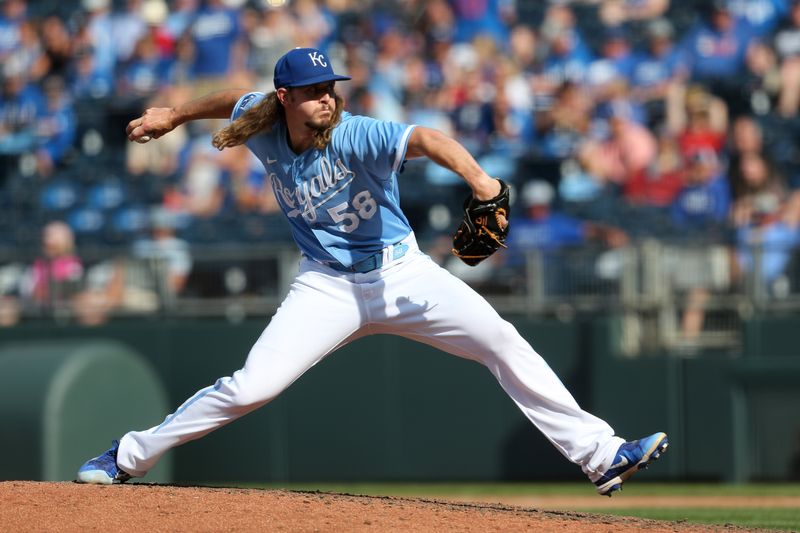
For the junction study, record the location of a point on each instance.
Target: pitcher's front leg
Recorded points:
(319, 314)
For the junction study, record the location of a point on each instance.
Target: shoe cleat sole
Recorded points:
(651, 455)
(96, 477)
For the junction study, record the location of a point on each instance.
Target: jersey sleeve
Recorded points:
(379, 145)
(246, 102)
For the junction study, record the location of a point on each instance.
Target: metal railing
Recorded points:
(667, 296)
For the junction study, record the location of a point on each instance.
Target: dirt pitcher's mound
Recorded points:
(64, 507)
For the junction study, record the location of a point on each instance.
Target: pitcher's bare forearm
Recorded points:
(158, 121)
(451, 155)
(215, 105)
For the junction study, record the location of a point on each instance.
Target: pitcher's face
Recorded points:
(314, 105)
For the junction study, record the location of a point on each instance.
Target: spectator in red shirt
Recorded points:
(658, 184)
(700, 122)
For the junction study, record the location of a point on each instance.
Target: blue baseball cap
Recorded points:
(304, 66)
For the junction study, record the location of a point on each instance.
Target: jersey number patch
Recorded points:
(349, 217)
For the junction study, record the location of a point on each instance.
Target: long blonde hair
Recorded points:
(262, 117)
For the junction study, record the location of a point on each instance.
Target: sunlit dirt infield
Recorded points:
(65, 506)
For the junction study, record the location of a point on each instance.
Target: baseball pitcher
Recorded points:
(335, 176)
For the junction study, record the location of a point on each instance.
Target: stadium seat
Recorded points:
(106, 195)
(86, 221)
(127, 222)
(61, 194)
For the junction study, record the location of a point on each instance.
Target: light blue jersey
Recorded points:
(342, 202)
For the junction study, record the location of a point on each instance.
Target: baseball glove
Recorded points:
(484, 227)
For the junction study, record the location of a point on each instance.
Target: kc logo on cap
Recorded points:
(317, 58)
(304, 66)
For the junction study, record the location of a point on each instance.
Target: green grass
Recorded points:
(769, 518)
(560, 489)
(776, 518)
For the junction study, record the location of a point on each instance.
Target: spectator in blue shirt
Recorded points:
(96, 36)
(717, 46)
(787, 37)
(551, 233)
(87, 80)
(617, 59)
(316, 22)
(761, 16)
(20, 105)
(488, 17)
(704, 201)
(11, 19)
(472, 117)
(216, 37)
(146, 72)
(566, 60)
(567, 56)
(699, 214)
(774, 243)
(55, 126)
(562, 128)
(658, 70)
(766, 218)
(128, 26)
(542, 228)
(180, 16)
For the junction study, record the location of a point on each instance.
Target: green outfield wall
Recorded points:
(60, 398)
(386, 408)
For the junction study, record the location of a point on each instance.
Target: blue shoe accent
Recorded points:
(103, 469)
(631, 457)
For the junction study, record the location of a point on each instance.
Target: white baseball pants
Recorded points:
(412, 297)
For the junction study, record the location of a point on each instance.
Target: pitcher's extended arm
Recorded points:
(158, 121)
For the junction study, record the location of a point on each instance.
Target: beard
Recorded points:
(320, 122)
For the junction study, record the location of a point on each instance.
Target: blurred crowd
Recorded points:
(614, 120)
